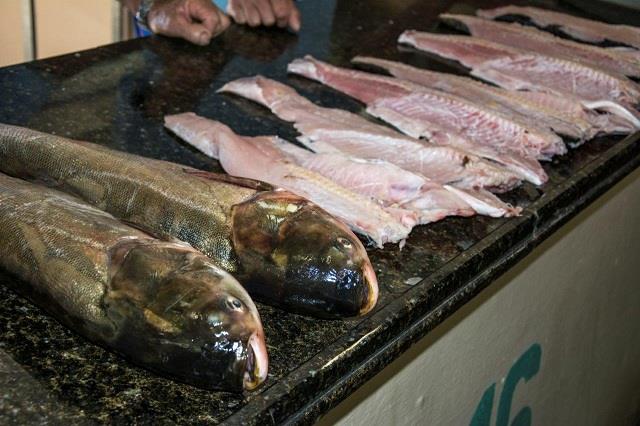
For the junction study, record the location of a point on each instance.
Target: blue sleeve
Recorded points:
(221, 4)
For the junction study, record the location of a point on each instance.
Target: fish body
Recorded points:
(443, 119)
(238, 156)
(163, 305)
(515, 69)
(329, 130)
(576, 27)
(285, 250)
(533, 40)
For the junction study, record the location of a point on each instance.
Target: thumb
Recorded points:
(195, 33)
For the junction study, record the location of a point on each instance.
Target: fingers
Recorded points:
(252, 14)
(295, 22)
(244, 12)
(205, 19)
(266, 12)
(282, 13)
(281, 9)
(196, 21)
(235, 9)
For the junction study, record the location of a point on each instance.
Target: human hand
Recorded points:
(282, 13)
(197, 21)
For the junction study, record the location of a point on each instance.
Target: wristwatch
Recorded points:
(143, 12)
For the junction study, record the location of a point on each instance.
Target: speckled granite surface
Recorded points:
(117, 95)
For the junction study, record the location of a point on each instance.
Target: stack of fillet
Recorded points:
(159, 262)
(460, 140)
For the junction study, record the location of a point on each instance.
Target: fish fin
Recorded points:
(234, 180)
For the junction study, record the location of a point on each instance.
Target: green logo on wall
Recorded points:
(524, 368)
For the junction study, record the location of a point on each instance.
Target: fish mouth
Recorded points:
(257, 362)
(371, 283)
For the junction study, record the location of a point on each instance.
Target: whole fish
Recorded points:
(163, 305)
(285, 250)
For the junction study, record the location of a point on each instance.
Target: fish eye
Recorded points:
(344, 242)
(233, 304)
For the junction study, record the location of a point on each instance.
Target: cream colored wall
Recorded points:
(62, 26)
(11, 32)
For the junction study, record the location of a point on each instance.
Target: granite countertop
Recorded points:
(117, 95)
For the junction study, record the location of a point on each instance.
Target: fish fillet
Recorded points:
(533, 40)
(579, 28)
(239, 157)
(442, 118)
(390, 184)
(518, 70)
(564, 116)
(328, 130)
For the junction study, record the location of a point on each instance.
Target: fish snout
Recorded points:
(371, 284)
(257, 361)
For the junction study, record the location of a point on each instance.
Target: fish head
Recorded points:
(295, 255)
(186, 317)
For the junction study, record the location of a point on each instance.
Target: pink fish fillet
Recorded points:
(388, 183)
(242, 157)
(533, 40)
(327, 130)
(579, 28)
(514, 69)
(565, 116)
(442, 118)
(496, 98)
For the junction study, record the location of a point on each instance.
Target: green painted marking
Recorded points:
(482, 415)
(525, 368)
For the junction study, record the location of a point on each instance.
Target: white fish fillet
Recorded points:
(518, 70)
(383, 181)
(240, 157)
(442, 118)
(533, 40)
(327, 130)
(564, 115)
(579, 28)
